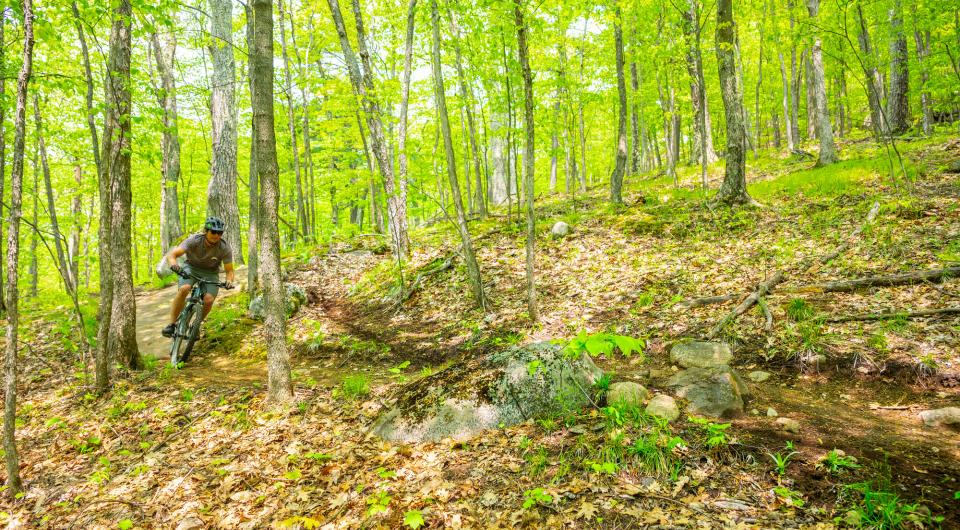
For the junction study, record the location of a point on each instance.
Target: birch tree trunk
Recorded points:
(11, 456)
(473, 269)
(528, 154)
(734, 187)
(170, 144)
(872, 75)
(898, 97)
(279, 387)
(499, 184)
(3, 149)
(401, 215)
(222, 189)
(828, 150)
(616, 178)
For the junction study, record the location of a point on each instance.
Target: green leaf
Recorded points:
(413, 519)
(533, 366)
(599, 344)
(125, 524)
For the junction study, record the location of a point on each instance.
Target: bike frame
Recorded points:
(185, 330)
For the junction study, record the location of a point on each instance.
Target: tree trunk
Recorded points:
(122, 335)
(554, 145)
(734, 187)
(76, 209)
(616, 178)
(279, 387)
(473, 269)
(301, 223)
(811, 98)
(62, 264)
(401, 214)
(12, 457)
(170, 144)
(702, 135)
(828, 150)
(922, 40)
(898, 97)
(500, 184)
(635, 151)
(787, 124)
(222, 189)
(872, 76)
(33, 269)
(794, 122)
(3, 153)
(253, 234)
(528, 154)
(467, 96)
(583, 133)
(309, 214)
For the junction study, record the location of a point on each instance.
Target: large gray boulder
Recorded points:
(295, 298)
(718, 392)
(698, 354)
(500, 389)
(944, 416)
(560, 229)
(628, 393)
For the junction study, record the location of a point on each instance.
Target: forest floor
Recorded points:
(198, 447)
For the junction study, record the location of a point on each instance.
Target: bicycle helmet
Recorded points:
(215, 224)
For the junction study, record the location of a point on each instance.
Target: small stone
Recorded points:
(789, 425)
(489, 499)
(755, 412)
(560, 229)
(771, 412)
(697, 354)
(663, 406)
(758, 376)
(628, 393)
(944, 416)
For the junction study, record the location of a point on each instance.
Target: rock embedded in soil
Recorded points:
(295, 298)
(697, 354)
(718, 392)
(628, 393)
(944, 416)
(789, 425)
(495, 390)
(663, 406)
(560, 229)
(758, 376)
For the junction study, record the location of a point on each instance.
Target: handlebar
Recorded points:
(188, 276)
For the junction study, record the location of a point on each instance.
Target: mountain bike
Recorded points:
(187, 329)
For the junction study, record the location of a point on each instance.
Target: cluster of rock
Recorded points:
(295, 298)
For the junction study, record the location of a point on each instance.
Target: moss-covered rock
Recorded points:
(500, 389)
(295, 298)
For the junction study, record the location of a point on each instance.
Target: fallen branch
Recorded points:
(896, 314)
(909, 278)
(415, 284)
(707, 300)
(780, 276)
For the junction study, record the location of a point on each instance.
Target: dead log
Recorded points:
(896, 314)
(708, 300)
(405, 294)
(780, 276)
(908, 278)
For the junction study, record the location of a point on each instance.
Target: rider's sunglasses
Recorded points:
(217, 232)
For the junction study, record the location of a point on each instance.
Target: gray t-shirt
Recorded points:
(203, 256)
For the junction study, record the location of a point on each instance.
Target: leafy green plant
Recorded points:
(355, 386)
(789, 496)
(878, 507)
(534, 497)
(781, 460)
(603, 344)
(378, 502)
(399, 368)
(714, 433)
(799, 310)
(413, 519)
(601, 386)
(836, 461)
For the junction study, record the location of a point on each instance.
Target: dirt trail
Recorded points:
(153, 310)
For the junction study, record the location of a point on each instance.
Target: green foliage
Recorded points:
(355, 386)
(781, 460)
(799, 310)
(714, 434)
(603, 344)
(836, 462)
(378, 502)
(125, 524)
(534, 497)
(413, 519)
(878, 507)
(601, 386)
(789, 496)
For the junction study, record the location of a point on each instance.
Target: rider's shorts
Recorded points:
(213, 276)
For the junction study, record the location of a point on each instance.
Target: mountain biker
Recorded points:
(205, 253)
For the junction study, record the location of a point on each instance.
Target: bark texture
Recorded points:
(222, 189)
(253, 180)
(734, 187)
(165, 54)
(528, 154)
(11, 456)
(620, 166)
(279, 387)
(702, 130)
(898, 97)
(828, 149)
(473, 269)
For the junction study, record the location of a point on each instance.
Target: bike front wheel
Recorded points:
(188, 327)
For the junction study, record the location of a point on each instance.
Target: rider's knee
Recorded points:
(185, 289)
(208, 299)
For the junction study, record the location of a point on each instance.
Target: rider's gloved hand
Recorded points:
(176, 268)
(228, 285)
